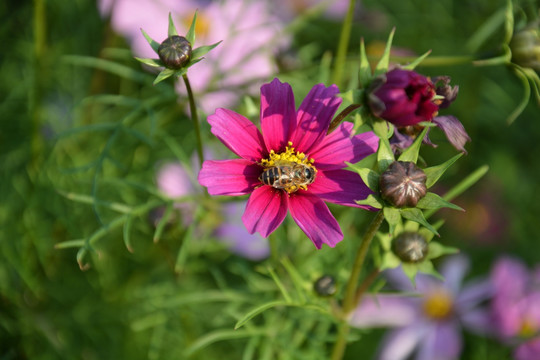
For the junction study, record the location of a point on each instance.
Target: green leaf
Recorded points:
(392, 216)
(280, 285)
(382, 128)
(70, 244)
(433, 173)
(382, 65)
(165, 74)
(369, 177)
(364, 74)
(416, 215)
(466, 183)
(163, 222)
(81, 254)
(172, 29)
(410, 271)
(437, 249)
(151, 62)
(508, 22)
(221, 335)
(485, 31)
(411, 153)
(127, 233)
(385, 156)
(153, 43)
(190, 36)
(203, 50)
(372, 201)
(184, 248)
(426, 267)
(525, 97)
(256, 311)
(389, 261)
(416, 62)
(433, 201)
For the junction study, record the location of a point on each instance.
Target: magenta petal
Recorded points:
(339, 147)
(239, 134)
(313, 217)
(314, 116)
(265, 210)
(340, 187)
(229, 177)
(278, 114)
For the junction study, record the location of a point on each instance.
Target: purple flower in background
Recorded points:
(251, 37)
(175, 182)
(516, 306)
(429, 324)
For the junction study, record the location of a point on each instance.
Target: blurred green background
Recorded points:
(60, 134)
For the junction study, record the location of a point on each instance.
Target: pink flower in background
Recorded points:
(251, 37)
(428, 321)
(174, 181)
(516, 306)
(290, 138)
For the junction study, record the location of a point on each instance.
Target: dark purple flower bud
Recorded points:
(403, 97)
(325, 285)
(175, 52)
(403, 184)
(443, 88)
(410, 247)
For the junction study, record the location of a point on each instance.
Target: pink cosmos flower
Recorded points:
(290, 138)
(174, 180)
(516, 306)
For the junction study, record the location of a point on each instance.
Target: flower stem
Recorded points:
(343, 45)
(195, 119)
(352, 283)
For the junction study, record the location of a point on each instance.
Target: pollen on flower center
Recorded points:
(289, 170)
(438, 305)
(528, 328)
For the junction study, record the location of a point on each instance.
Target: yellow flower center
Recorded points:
(286, 162)
(438, 305)
(528, 328)
(202, 26)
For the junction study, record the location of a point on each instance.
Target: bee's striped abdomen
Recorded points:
(269, 176)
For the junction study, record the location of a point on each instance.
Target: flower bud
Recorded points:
(410, 247)
(403, 97)
(403, 184)
(525, 46)
(443, 88)
(175, 52)
(325, 285)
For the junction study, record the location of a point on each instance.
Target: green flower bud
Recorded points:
(410, 247)
(175, 52)
(403, 184)
(325, 285)
(525, 46)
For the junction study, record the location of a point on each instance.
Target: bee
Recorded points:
(288, 177)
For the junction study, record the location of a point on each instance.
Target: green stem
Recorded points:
(343, 45)
(195, 119)
(39, 27)
(352, 284)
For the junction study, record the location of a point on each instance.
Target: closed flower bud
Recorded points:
(325, 286)
(410, 247)
(403, 184)
(175, 52)
(525, 46)
(403, 97)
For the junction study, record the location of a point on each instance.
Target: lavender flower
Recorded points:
(430, 322)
